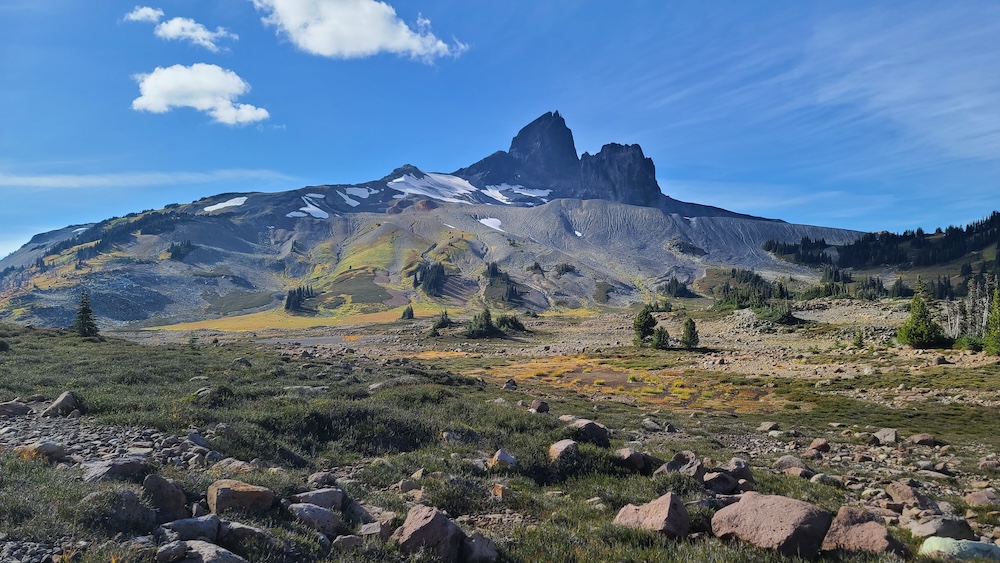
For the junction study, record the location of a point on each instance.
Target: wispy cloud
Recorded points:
(348, 29)
(205, 87)
(134, 179)
(189, 30)
(144, 14)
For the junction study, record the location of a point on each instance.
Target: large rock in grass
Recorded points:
(65, 404)
(564, 452)
(330, 497)
(591, 432)
(789, 526)
(243, 538)
(943, 527)
(204, 552)
(316, 517)
(666, 515)
(167, 498)
(951, 549)
(985, 497)
(909, 496)
(686, 463)
(132, 469)
(789, 461)
(502, 459)
(116, 511)
(854, 529)
(204, 528)
(49, 451)
(230, 494)
(428, 528)
(886, 436)
(478, 548)
(14, 408)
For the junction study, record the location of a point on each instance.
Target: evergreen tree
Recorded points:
(689, 334)
(407, 313)
(920, 330)
(84, 324)
(991, 344)
(661, 338)
(643, 325)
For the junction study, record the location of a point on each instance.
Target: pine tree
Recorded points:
(84, 324)
(920, 330)
(661, 338)
(991, 344)
(643, 325)
(689, 334)
(407, 313)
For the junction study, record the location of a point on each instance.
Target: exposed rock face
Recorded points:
(854, 529)
(619, 173)
(792, 527)
(665, 514)
(227, 494)
(429, 528)
(545, 148)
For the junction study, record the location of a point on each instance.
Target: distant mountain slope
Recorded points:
(567, 231)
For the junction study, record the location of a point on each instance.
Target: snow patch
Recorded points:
(235, 202)
(296, 214)
(578, 233)
(311, 209)
(449, 226)
(492, 223)
(442, 187)
(363, 193)
(80, 230)
(348, 200)
(497, 194)
(320, 196)
(529, 192)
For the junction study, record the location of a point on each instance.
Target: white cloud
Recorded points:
(190, 30)
(144, 14)
(205, 87)
(133, 179)
(347, 29)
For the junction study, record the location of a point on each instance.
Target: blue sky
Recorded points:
(850, 114)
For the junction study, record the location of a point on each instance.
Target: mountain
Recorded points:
(565, 230)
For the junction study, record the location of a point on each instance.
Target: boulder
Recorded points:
(739, 469)
(204, 528)
(630, 459)
(909, 496)
(943, 527)
(951, 549)
(501, 459)
(14, 408)
(854, 529)
(322, 479)
(985, 497)
(792, 527)
(122, 469)
(347, 543)
(428, 528)
(539, 406)
(65, 404)
(564, 451)
(820, 445)
(886, 436)
(801, 472)
(117, 511)
(229, 494)
(241, 537)
(767, 427)
(787, 462)
(923, 439)
(321, 519)
(720, 483)
(685, 463)
(49, 451)
(330, 497)
(591, 432)
(666, 515)
(204, 552)
(989, 464)
(170, 552)
(166, 497)
(478, 548)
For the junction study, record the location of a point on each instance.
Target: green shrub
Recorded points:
(920, 330)
(510, 322)
(407, 313)
(481, 326)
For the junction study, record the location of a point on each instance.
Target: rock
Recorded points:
(501, 459)
(685, 463)
(14, 408)
(820, 445)
(539, 406)
(428, 528)
(854, 529)
(316, 517)
(167, 498)
(984, 497)
(943, 527)
(240, 537)
(478, 548)
(510, 385)
(204, 552)
(989, 464)
(49, 451)
(768, 426)
(241, 362)
(792, 527)
(322, 479)
(720, 483)
(630, 459)
(825, 479)
(347, 543)
(951, 549)
(909, 496)
(886, 436)
(788, 461)
(591, 432)
(231, 465)
(202, 528)
(229, 494)
(65, 404)
(331, 497)
(802, 472)
(564, 452)
(407, 485)
(119, 511)
(651, 425)
(666, 515)
(923, 439)
(738, 468)
(122, 469)
(170, 552)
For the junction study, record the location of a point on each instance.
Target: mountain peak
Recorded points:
(546, 145)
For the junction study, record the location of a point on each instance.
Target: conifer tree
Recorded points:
(643, 325)
(661, 338)
(991, 344)
(689, 334)
(84, 324)
(407, 313)
(920, 330)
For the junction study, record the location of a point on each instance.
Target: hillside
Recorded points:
(362, 247)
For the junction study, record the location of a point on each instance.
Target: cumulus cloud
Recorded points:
(189, 30)
(348, 29)
(144, 14)
(205, 87)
